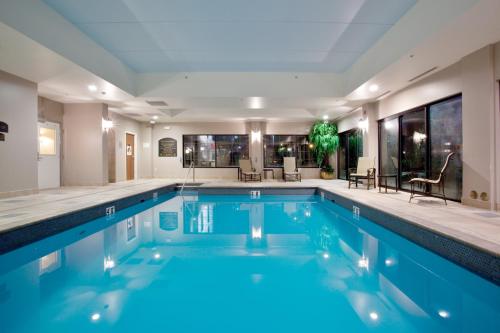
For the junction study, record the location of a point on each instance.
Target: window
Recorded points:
(230, 149)
(47, 141)
(350, 149)
(389, 148)
(214, 151)
(413, 147)
(278, 146)
(445, 133)
(416, 143)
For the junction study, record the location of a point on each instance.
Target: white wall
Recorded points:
(18, 153)
(85, 160)
(121, 126)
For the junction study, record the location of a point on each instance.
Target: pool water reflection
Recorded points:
(235, 264)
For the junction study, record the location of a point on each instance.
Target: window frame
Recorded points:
(184, 166)
(426, 107)
(295, 143)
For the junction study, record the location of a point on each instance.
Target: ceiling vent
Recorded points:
(423, 74)
(172, 112)
(157, 103)
(383, 94)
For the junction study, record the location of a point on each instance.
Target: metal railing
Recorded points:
(191, 166)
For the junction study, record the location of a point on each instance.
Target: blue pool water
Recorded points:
(234, 264)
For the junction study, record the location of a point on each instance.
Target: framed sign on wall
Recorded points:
(167, 147)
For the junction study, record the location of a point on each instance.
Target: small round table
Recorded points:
(266, 170)
(384, 178)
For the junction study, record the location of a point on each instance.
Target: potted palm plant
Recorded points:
(325, 140)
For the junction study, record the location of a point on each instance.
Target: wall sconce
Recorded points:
(363, 124)
(107, 124)
(256, 136)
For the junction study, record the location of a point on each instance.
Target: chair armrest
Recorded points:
(352, 170)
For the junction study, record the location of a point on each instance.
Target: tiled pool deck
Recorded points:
(477, 227)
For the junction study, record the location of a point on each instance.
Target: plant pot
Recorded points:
(326, 175)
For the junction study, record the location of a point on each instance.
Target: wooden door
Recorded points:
(130, 155)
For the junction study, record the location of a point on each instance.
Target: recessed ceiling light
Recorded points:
(152, 122)
(325, 117)
(155, 117)
(255, 103)
(373, 88)
(92, 87)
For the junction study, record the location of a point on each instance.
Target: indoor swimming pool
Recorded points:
(233, 263)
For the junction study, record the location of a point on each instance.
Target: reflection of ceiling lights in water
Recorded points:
(443, 314)
(256, 233)
(108, 263)
(326, 255)
(157, 256)
(363, 262)
(373, 316)
(389, 262)
(95, 316)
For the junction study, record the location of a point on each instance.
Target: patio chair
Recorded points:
(290, 169)
(246, 172)
(427, 183)
(365, 170)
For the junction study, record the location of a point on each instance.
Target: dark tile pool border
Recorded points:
(15, 238)
(479, 261)
(263, 190)
(476, 260)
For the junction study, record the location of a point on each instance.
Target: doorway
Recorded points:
(130, 155)
(49, 155)
(350, 149)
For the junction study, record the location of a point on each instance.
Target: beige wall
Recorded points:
(121, 126)
(171, 167)
(85, 160)
(474, 76)
(49, 110)
(18, 153)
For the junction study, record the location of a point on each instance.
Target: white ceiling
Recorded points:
(38, 44)
(234, 35)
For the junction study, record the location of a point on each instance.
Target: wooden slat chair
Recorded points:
(364, 170)
(427, 183)
(290, 169)
(247, 172)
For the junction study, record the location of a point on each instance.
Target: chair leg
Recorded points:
(349, 182)
(444, 195)
(411, 192)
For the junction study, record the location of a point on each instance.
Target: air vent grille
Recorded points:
(383, 94)
(157, 103)
(422, 74)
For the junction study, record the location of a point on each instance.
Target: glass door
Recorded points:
(445, 136)
(350, 149)
(342, 156)
(413, 147)
(389, 149)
